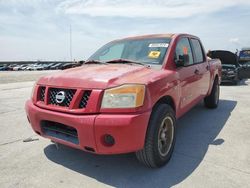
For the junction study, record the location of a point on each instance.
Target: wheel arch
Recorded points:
(165, 100)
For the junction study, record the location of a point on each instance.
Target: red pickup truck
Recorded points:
(127, 96)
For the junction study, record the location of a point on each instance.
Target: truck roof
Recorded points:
(166, 35)
(150, 36)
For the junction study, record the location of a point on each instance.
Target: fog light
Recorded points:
(109, 140)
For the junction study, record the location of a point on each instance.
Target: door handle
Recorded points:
(196, 71)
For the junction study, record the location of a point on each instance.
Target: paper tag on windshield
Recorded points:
(158, 45)
(154, 54)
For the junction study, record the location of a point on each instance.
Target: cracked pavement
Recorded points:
(212, 147)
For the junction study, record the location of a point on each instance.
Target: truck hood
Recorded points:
(96, 76)
(226, 57)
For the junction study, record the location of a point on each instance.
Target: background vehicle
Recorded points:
(230, 67)
(20, 67)
(244, 60)
(244, 55)
(24, 67)
(11, 66)
(47, 66)
(70, 65)
(56, 66)
(38, 65)
(3, 67)
(126, 96)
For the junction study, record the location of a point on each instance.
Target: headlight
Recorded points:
(125, 96)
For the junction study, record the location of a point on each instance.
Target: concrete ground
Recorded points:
(212, 148)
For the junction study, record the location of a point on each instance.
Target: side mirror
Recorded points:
(182, 60)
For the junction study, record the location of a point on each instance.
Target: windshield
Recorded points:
(148, 51)
(244, 56)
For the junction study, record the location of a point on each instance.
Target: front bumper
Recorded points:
(128, 130)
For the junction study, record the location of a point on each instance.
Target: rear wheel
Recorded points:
(212, 100)
(160, 138)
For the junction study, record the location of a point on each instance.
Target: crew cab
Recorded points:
(127, 96)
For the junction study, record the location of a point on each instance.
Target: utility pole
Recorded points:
(70, 42)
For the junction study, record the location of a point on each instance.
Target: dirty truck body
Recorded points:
(127, 96)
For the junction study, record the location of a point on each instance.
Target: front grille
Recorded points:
(60, 131)
(84, 100)
(68, 94)
(63, 97)
(42, 93)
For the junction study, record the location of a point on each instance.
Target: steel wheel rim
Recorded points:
(165, 136)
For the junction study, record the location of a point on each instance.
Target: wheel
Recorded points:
(160, 137)
(212, 100)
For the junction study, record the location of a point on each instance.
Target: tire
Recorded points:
(160, 137)
(212, 100)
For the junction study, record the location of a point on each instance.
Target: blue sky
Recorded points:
(39, 29)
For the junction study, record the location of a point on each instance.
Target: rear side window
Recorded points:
(183, 48)
(198, 52)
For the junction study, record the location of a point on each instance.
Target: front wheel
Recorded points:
(160, 137)
(212, 100)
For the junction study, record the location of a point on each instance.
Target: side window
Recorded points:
(198, 52)
(114, 52)
(183, 48)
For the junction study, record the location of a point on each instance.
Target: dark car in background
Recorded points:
(244, 61)
(56, 66)
(71, 65)
(3, 67)
(244, 55)
(38, 65)
(231, 69)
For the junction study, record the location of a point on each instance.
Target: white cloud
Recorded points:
(39, 29)
(234, 40)
(145, 8)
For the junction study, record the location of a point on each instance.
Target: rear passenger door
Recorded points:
(202, 68)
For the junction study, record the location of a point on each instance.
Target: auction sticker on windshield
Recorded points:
(154, 54)
(158, 45)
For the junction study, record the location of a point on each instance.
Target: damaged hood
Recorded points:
(226, 57)
(99, 76)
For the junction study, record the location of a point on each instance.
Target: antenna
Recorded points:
(70, 42)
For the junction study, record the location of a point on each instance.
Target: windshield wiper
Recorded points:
(126, 61)
(94, 62)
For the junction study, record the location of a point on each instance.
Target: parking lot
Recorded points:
(212, 147)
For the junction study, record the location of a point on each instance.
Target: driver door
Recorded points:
(188, 80)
